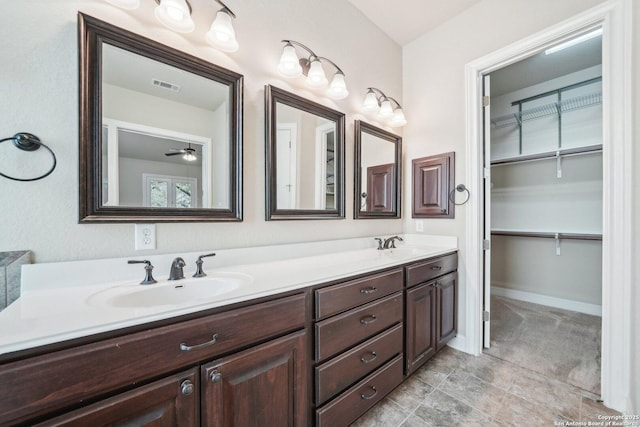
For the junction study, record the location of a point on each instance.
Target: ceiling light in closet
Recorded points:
(292, 66)
(574, 41)
(176, 15)
(377, 102)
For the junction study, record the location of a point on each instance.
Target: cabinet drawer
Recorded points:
(337, 374)
(424, 271)
(81, 373)
(344, 330)
(350, 405)
(338, 298)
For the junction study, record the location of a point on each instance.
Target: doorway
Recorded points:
(617, 186)
(543, 212)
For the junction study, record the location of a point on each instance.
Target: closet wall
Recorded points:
(533, 201)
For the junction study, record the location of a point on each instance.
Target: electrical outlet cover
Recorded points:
(419, 225)
(145, 236)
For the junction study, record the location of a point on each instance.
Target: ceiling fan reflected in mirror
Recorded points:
(188, 153)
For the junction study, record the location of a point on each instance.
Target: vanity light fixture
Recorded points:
(176, 15)
(292, 66)
(221, 35)
(377, 101)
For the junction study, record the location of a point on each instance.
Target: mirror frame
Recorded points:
(273, 96)
(359, 128)
(92, 33)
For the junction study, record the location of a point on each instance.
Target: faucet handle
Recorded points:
(148, 268)
(379, 243)
(199, 272)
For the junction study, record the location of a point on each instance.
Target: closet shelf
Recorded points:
(548, 155)
(554, 108)
(547, 235)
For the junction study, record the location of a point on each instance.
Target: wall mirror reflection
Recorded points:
(378, 155)
(160, 131)
(304, 158)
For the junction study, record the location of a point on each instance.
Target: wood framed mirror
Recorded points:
(160, 131)
(378, 172)
(304, 170)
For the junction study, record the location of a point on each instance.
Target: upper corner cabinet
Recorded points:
(378, 163)
(160, 131)
(304, 170)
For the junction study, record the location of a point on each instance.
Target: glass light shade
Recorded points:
(315, 76)
(289, 63)
(386, 111)
(221, 34)
(174, 14)
(338, 87)
(190, 157)
(370, 104)
(125, 4)
(398, 119)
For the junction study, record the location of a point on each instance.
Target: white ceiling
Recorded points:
(406, 20)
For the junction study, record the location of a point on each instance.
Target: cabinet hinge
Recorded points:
(486, 245)
(485, 316)
(485, 101)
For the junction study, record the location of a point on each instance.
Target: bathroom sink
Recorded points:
(169, 293)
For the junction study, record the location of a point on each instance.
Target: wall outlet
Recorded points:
(419, 225)
(145, 236)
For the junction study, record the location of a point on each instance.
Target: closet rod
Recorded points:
(549, 155)
(556, 91)
(547, 235)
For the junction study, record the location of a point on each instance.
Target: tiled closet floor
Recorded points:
(455, 388)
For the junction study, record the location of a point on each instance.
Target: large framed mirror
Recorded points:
(304, 158)
(378, 172)
(160, 131)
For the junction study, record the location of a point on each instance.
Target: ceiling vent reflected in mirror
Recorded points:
(166, 85)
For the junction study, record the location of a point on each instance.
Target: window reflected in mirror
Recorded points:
(378, 177)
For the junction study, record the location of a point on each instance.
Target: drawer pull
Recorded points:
(368, 319)
(369, 360)
(436, 268)
(215, 376)
(186, 388)
(185, 347)
(369, 290)
(371, 396)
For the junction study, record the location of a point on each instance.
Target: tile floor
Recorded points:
(457, 389)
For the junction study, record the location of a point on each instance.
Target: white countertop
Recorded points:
(61, 301)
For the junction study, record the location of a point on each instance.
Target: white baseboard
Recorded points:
(459, 343)
(581, 307)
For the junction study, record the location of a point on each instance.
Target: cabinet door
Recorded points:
(446, 316)
(172, 401)
(433, 181)
(420, 325)
(263, 386)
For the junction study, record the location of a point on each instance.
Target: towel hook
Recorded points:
(29, 142)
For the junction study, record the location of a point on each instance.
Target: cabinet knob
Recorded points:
(436, 267)
(373, 357)
(369, 290)
(186, 387)
(215, 377)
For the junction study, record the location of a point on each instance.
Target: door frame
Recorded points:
(615, 17)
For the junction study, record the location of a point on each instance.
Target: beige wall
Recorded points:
(39, 83)
(635, 288)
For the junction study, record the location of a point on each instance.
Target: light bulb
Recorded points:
(189, 156)
(175, 14)
(338, 88)
(125, 4)
(315, 76)
(370, 104)
(289, 63)
(386, 111)
(221, 35)
(398, 119)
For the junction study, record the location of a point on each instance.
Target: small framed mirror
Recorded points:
(160, 131)
(304, 158)
(378, 174)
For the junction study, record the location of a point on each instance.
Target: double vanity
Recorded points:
(306, 334)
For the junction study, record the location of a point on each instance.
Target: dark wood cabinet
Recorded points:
(430, 300)
(380, 185)
(172, 401)
(263, 386)
(433, 182)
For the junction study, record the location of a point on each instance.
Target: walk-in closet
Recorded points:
(546, 201)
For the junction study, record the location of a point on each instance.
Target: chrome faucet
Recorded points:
(176, 272)
(390, 242)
